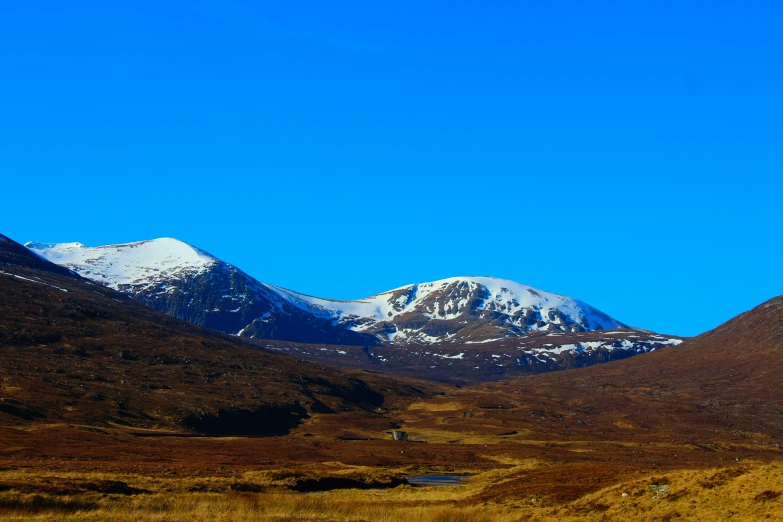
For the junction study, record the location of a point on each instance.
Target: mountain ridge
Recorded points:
(507, 328)
(146, 269)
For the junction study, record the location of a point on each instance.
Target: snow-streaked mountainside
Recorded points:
(190, 284)
(537, 352)
(457, 309)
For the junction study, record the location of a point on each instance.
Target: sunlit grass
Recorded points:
(748, 491)
(437, 406)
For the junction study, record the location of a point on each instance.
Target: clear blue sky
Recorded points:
(628, 153)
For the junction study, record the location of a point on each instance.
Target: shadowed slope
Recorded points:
(12, 253)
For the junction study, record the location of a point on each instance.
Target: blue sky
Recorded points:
(625, 153)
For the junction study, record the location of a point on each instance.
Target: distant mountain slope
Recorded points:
(537, 352)
(190, 284)
(76, 352)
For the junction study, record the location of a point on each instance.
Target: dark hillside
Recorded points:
(12, 253)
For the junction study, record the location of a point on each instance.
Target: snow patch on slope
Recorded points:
(32, 280)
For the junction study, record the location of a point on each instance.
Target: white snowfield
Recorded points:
(157, 264)
(140, 265)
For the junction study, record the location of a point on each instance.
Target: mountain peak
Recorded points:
(147, 262)
(457, 309)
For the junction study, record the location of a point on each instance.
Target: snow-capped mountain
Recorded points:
(190, 284)
(132, 267)
(496, 318)
(457, 310)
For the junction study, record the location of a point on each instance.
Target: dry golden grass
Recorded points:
(216, 498)
(435, 405)
(241, 507)
(749, 491)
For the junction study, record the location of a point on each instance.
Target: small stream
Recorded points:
(437, 480)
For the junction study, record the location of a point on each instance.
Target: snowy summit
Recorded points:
(144, 263)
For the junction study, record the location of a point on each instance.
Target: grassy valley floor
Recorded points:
(749, 492)
(69, 472)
